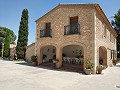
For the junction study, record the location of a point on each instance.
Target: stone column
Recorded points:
(59, 57)
(84, 57)
(95, 48)
(40, 56)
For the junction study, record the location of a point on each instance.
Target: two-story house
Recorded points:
(75, 31)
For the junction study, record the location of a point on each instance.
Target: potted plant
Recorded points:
(44, 56)
(88, 67)
(114, 61)
(55, 60)
(99, 69)
(34, 60)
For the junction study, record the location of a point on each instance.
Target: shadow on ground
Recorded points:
(117, 65)
(51, 66)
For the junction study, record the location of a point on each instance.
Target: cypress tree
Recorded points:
(22, 35)
(116, 24)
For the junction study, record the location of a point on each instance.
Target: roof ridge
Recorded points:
(77, 3)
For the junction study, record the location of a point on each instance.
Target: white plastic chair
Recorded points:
(68, 60)
(64, 59)
(77, 61)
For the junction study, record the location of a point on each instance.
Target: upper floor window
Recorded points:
(73, 28)
(73, 20)
(105, 31)
(114, 39)
(47, 31)
(48, 25)
(110, 37)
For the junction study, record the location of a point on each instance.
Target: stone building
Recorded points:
(74, 31)
(12, 51)
(30, 50)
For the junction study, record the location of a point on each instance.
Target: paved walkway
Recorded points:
(19, 76)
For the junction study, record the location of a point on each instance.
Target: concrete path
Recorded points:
(19, 76)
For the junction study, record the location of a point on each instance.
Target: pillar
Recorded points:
(40, 56)
(59, 57)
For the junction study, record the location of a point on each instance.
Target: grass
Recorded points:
(19, 60)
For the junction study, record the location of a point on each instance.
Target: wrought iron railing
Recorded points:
(72, 29)
(45, 33)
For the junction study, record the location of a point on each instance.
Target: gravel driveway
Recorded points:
(19, 76)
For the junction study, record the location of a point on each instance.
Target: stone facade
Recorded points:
(105, 37)
(12, 51)
(92, 21)
(30, 51)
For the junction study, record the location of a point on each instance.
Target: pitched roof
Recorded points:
(97, 7)
(30, 45)
(60, 5)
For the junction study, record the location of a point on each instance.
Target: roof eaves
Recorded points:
(105, 18)
(48, 12)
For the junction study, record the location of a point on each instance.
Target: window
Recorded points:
(74, 24)
(48, 26)
(73, 20)
(114, 54)
(114, 40)
(47, 31)
(73, 27)
(110, 36)
(111, 54)
(105, 30)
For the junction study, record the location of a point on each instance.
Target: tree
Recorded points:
(1, 45)
(7, 36)
(22, 35)
(7, 45)
(116, 24)
(4, 31)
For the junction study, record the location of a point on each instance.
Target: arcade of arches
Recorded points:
(67, 55)
(70, 54)
(102, 55)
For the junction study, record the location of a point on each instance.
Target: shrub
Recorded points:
(44, 56)
(115, 61)
(34, 58)
(100, 67)
(89, 65)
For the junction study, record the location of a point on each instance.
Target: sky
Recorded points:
(11, 10)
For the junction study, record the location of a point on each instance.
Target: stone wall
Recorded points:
(12, 51)
(104, 37)
(94, 31)
(30, 51)
(59, 18)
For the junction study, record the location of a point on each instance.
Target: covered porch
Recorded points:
(73, 55)
(69, 56)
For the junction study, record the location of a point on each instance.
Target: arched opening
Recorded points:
(73, 56)
(102, 55)
(48, 53)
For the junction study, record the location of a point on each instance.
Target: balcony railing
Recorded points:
(72, 29)
(45, 33)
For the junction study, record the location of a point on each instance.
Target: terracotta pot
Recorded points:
(114, 63)
(34, 63)
(55, 61)
(99, 71)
